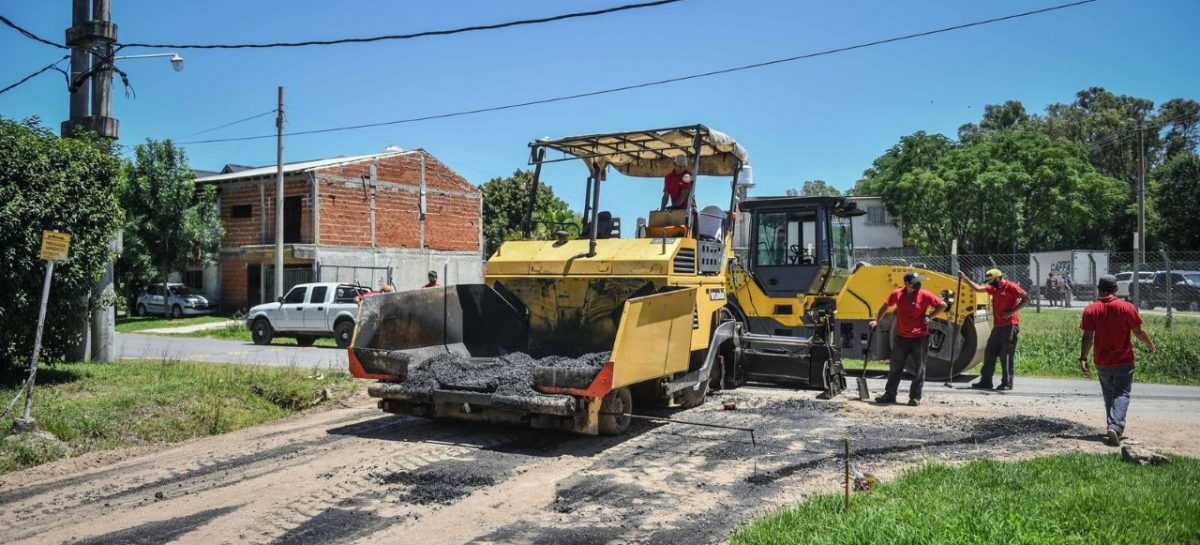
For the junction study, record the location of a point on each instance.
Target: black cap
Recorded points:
(1107, 283)
(911, 277)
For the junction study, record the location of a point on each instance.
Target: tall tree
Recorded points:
(818, 188)
(505, 202)
(1175, 189)
(50, 183)
(1180, 119)
(170, 223)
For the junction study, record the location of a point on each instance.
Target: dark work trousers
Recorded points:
(902, 349)
(1001, 345)
(1116, 384)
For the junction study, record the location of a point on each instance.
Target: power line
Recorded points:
(52, 66)
(664, 81)
(7, 22)
(423, 34)
(230, 124)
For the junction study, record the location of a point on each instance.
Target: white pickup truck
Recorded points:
(308, 311)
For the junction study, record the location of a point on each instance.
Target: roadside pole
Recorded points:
(55, 246)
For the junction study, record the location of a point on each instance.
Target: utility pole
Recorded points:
(1139, 237)
(279, 197)
(91, 38)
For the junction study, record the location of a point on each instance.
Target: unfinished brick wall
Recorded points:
(452, 219)
(248, 231)
(233, 283)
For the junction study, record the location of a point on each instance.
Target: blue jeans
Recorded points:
(1116, 383)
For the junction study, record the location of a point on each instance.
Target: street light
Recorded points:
(176, 60)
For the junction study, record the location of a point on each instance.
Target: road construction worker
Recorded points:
(912, 306)
(1106, 324)
(1008, 298)
(677, 185)
(433, 280)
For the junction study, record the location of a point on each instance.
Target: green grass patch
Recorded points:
(140, 323)
(96, 406)
(1072, 498)
(238, 332)
(1049, 347)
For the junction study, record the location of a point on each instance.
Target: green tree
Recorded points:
(1175, 190)
(818, 188)
(170, 223)
(505, 202)
(50, 183)
(1180, 119)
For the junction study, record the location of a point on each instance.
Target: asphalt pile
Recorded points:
(514, 374)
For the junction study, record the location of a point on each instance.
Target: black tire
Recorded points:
(262, 332)
(305, 340)
(343, 333)
(140, 311)
(176, 312)
(614, 412)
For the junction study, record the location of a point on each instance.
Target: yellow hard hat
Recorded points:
(994, 273)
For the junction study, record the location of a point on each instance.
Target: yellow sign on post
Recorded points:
(55, 245)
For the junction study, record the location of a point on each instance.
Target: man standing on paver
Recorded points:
(1008, 298)
(1106, 324)
(912, 334)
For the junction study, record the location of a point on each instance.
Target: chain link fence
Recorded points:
(1168, 280)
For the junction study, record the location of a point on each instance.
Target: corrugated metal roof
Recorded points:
(290, 168)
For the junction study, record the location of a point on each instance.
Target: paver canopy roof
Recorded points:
(652, 153)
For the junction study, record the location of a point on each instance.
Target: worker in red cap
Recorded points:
(1008, 298)
(912, 306)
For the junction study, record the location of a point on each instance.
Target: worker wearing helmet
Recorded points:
(912, 306)
(1007, 300)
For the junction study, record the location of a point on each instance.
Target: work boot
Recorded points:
(1002, 387)
(913, 402)
(1113, 439)
(982, 385)
(886, 398)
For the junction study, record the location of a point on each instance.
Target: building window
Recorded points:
(241, 211)
(877, 215)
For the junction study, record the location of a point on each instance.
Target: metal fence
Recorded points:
(363, 275)
(1169, 280)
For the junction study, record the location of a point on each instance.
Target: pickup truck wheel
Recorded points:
(176, 312)
(343, 333)
(1193, 306)
(262, 332)
(614, 412)
(141, 310)
(305, 340)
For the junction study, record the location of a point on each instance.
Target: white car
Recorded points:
(182, 301)
(308, 311)
(1124, 279)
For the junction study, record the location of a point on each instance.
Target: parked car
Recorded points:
(1125, 278)
(308, 311)
(1185, 290)
(181, 301)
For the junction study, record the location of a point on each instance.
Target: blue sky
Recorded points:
(823, 118)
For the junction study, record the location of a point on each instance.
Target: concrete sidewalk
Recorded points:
(178, 330)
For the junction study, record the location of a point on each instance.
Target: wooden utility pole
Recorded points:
(279, 197)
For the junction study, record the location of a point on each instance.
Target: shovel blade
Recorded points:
(864, 393)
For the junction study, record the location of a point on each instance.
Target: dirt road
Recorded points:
(355, 475)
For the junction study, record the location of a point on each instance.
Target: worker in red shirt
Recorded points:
(1007, 300)
(912, 306)
(1106, 324)
(677, 185)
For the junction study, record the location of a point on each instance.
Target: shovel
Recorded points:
(864, 394)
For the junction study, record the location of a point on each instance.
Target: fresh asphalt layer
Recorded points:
(198, 349)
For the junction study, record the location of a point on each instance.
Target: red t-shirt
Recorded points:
(1111, 319)
(911, 311)
(1004, 300)
(673, 185)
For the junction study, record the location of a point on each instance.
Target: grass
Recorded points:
(238, 332)
(96, 406)
(140, 323)
(1049, 347)
(1071, 498)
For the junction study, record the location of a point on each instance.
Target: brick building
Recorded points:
(390, 216)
